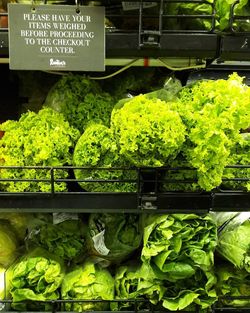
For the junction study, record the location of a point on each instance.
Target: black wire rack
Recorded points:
(132, 190)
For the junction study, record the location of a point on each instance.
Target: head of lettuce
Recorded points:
(88, 282)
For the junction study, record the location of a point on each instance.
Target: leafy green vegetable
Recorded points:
(35, 276)
(232, 282)
(114, 237)
(137, 281)
(182, 247)
(37, 139)
(88, 282)
(214, 113)
(240, 155)
(234, 239)
(178, 243)
(80, 100)
(180, 176)
(95, 149)
(223, 14)
(147, 131)
(66, 240)
(8, 244)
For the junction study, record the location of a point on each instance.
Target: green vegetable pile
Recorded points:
(36, 139)
(88, 282)
(181, 247)
(80, 100)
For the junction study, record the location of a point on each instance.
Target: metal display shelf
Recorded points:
(134, 190)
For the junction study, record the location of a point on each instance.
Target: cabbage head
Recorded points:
(88, 282)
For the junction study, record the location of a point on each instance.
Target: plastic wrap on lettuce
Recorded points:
(147, 131)
(19, 222)
(88, 282)
(66, 239)
(137, 282)
(234, 239)
(97, 148)
(36, 276)
(114, 237)
(80, 100)
(8, 244)
(232, 285)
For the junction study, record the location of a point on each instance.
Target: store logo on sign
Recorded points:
(57, 62)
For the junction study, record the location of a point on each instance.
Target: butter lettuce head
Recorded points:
(147, 131)
(88, 282)
(35, 276)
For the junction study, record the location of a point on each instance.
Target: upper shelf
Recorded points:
(168, 28)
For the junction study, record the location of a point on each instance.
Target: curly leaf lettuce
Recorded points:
(95, 149)
(36, 139)
(147, 131)
(80, 100)
(214, 112)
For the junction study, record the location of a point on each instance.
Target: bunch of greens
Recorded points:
(88, 282)
(239, 156)
(35, 276)
(214, 113)
(147, 131)
(80, 100)
(37, 139)
(96, 150)
(8, 244)
(134, 282)
(66, 240)
(182, 247)
(234, 239)
(232, 282)
(114, 237)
